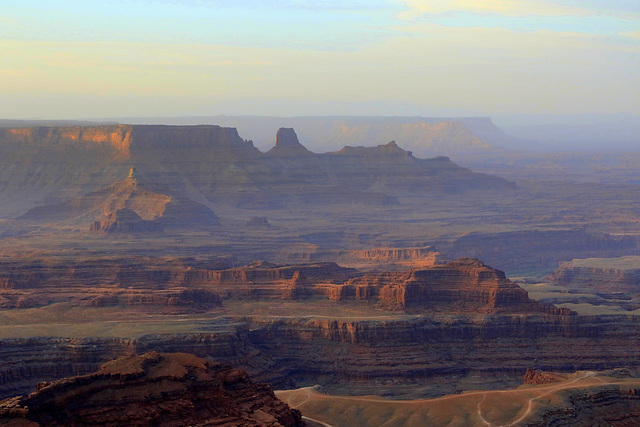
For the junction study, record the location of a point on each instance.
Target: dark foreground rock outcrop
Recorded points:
(153, 389)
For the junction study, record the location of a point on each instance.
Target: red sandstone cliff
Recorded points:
(536, 376)
(102, 280)
(466, 284)
(288, 352)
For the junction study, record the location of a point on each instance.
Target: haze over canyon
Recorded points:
(378, 273)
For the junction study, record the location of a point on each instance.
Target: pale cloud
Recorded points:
(514, 8)
(631, 34)
(108, 68)
(17, 73)
(465, 43)
(5, 20)
(501, 69)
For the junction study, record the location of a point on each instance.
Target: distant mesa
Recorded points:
(451, 138)
(389, 152)
(425, 136)
(607, 277)
(134, 140)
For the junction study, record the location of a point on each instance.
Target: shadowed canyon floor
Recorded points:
(530, 405)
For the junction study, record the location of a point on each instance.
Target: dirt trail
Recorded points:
(297, 404)
(322, 423)
(550, 389)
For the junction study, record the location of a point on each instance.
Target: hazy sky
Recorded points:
(109, 58)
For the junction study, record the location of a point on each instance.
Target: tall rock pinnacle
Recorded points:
(287, 144)
(286, 137)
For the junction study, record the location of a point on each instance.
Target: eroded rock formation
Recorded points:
(101, 281)
(197, 298)
(466, 284)
(536, 376)
(153, 389)
(126, 207)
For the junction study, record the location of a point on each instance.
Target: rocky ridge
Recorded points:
(458, 317)
(152, 389)
(125, 207)
(215, 164)
(464, 285)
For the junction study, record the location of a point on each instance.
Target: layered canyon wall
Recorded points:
(302, 352)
